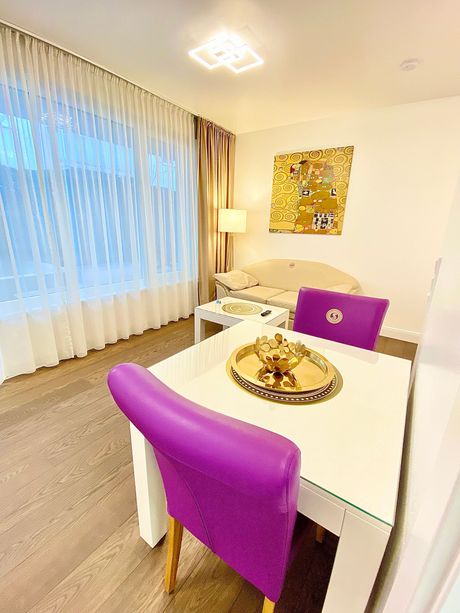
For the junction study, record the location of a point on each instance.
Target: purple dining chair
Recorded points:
(234, 486)
(345, 318)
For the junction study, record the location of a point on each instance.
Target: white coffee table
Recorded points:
(212, 311)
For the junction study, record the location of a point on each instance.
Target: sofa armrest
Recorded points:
(221, 290)
(345, 288)
(357, 289)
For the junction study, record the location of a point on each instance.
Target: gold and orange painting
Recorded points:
(310, 191)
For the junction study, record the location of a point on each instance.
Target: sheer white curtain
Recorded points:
(98, 213)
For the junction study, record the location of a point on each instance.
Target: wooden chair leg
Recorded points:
(175, 530)
(320, 532)
(269, 606)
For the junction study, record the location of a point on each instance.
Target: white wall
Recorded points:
(423, 561)
(403, 177)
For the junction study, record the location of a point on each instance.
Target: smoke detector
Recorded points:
(410, 64)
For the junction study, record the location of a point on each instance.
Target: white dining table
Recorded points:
(351, 446)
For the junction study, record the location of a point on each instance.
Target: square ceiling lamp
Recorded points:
(227, 50)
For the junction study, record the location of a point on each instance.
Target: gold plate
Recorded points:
(324, 393)
(313, 372)
(241, 308)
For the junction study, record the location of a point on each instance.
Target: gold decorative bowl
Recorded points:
(279, 357)
(282, 365)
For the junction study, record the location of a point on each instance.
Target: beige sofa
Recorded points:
(280, 281)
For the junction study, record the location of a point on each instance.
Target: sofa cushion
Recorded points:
(344, 288)
(259, 293)
(236, 279)
(286, 300)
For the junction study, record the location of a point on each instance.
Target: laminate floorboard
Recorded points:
(68, 524)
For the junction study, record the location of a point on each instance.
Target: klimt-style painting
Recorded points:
(310, 191)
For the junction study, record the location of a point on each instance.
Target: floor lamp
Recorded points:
(231, 221)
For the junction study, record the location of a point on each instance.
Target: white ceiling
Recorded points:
(321, 58)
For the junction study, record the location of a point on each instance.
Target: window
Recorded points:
(81, 177)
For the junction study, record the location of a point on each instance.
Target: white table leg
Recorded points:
(357, 561)
(150, 494)
(284, 324)
(200, 331)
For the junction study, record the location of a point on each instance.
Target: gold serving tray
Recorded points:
(316, 377)
(241, 308)
(324, 393)
(312, 373)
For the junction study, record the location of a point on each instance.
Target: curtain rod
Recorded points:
(21, 30)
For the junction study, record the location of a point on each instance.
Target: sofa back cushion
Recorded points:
(236, 279)
(291, 275)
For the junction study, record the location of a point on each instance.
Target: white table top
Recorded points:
(215, 307)
(351, 444)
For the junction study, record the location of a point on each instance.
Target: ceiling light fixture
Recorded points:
(227, 50)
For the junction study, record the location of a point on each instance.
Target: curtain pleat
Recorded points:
(98, 207)
(216, 162)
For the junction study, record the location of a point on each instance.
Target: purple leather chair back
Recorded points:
(233, 485)
(345, 318)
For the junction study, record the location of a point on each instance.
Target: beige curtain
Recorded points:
(98, 220)
(216, 161)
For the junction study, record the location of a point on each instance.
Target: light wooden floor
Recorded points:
(68, 525)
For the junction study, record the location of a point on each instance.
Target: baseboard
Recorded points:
(400, 334)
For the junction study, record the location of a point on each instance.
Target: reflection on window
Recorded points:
(76, 176)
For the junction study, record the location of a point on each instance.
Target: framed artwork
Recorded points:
(310, 191)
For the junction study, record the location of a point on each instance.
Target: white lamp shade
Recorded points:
(232, 220)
